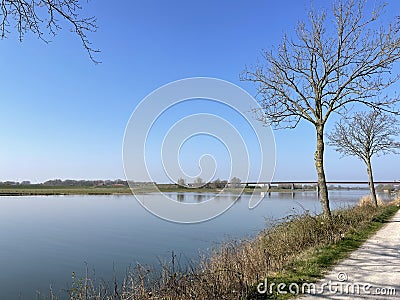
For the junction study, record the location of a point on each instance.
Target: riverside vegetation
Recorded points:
(120, 187)
(298, 249)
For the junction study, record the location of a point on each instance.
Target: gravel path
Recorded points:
(373, 269)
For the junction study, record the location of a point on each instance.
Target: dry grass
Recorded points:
(233, 270)
(367, 200)
(396, 201)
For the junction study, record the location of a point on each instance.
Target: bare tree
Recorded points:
(182, 183)
(198, 182)
(365, 135)
(38, 16)
(235, 182)
(329, 65)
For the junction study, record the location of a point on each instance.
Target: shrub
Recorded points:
(367, 200)
(231, 271)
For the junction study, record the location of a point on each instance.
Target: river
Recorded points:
(43, 239)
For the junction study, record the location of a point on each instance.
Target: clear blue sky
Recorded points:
(61, 116)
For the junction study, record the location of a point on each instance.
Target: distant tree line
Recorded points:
(387, 187)
(70, 182)
(216, 184)
(25, 182)
(198, 183)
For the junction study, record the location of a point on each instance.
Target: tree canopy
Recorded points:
(364, 135)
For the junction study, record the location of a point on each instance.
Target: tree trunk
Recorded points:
(319, 165)
(371, 182)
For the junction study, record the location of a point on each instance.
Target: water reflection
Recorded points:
(180, 197)
(283, 195)
(299, 195)
(199, 197)
(235, 198)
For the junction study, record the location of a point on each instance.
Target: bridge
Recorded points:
(395, 182)
(315, 183)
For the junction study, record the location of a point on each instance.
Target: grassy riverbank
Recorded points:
(298, 250)
(42, 190)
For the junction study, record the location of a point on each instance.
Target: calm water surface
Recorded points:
(43, 239)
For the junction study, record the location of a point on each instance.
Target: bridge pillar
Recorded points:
(317, 190)
(292, 186)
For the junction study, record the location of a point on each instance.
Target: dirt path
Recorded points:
(371, 272)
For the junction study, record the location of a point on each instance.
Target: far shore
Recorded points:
(43, 190)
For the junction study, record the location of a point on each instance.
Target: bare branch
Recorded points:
(325, 69)
(37, 16)
(365, 135)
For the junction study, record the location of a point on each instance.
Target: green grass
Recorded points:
(65, 190)
(311, 265)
